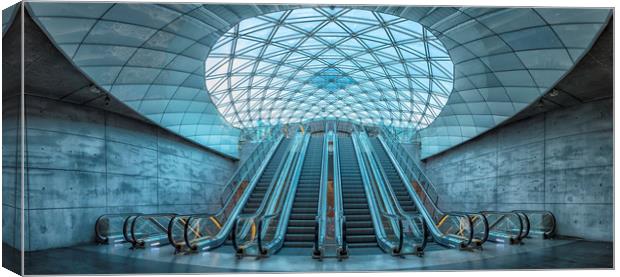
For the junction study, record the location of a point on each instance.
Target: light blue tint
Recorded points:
(496, 55)
(8, 15)
(347, 64)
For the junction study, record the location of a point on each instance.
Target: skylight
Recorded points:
(316, 63)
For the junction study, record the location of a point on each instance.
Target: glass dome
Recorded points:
(329, 63)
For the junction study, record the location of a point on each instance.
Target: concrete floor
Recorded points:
(118, 259)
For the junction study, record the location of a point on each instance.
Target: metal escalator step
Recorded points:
(303, 221)
(308, 189)
(358, 217)
(345, 192)
(359, 224)
(300, 230)
(360, 231)
(298, 244)
(356, 205)
(304, 210)
(355, 201)
(356, 195)
(306, 203)
(362, 244)
(361, 239)
(299, 237)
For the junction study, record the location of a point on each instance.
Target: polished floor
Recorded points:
(117, 259)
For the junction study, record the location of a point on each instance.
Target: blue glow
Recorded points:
(314, 63)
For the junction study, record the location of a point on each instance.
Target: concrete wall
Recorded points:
(11, 160)
(560, 161)
(83, 162)
(11, 177)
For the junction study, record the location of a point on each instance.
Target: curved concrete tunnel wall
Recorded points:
(559, 161)
(83, 162)
(557, 156)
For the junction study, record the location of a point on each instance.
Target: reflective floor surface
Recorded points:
(115, 259)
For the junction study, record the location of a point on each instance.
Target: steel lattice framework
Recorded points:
(311, 63)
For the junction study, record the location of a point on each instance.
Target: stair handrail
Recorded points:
(273, 192)
(436, 217)
(255, 164)
(392, 200)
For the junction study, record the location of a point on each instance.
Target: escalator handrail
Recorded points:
(388, 186)
(485, 223)
(127, 228)
(553, 220)
(283, 167)
(398, 214)
(275, 187)
(430, 218)
(170, 228)
(526, 225)
(403, 154)
(221, 236)
(374, 207)
(162, 228)
(233, 235)
(343, 228)
(338, 202)
(220, 210)
(315, 244)
(276, 130)
(408, 161)
(503, 217)
(283, 211)
(322, 205)
(98, 237)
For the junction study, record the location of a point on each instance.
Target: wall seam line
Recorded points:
(105, 152)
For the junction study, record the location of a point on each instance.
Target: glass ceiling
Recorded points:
(319, 63)
(152, 58)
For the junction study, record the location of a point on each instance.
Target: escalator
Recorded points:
(404, 199)
(265, 180)
(359, 225)
(300, 230)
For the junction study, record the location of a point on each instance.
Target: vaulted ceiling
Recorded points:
(152, 57)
